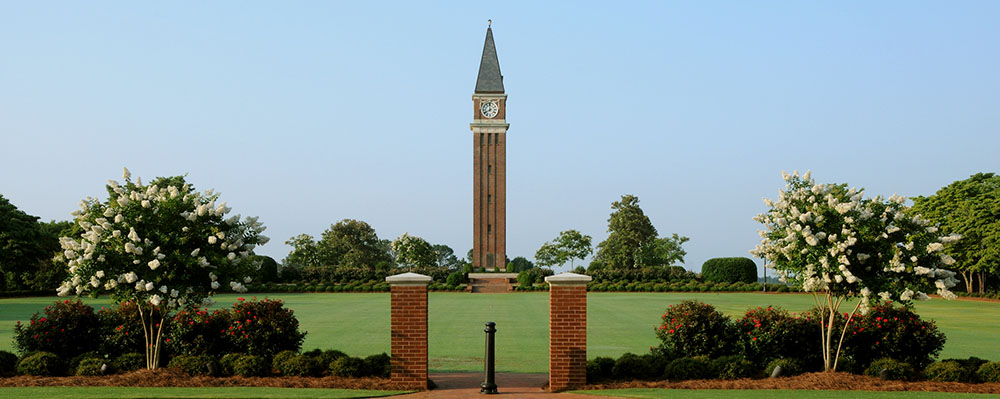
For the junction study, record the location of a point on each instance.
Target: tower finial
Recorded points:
(489, 22)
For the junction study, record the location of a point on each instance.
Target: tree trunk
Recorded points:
(982, 283)
(968, 277)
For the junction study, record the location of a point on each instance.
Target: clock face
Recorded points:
(489, 108)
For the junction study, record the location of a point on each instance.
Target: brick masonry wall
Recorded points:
(409, 335)
(567, 337)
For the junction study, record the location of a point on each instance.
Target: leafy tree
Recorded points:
(22, 244)
(519, 264)
(569, 246)
(412, 251)
(839, 245)
(629, 231)
(351, 243)
(48, 274)
(445, 256)
(163, 247)
(268, 271)
(665, 251)
(304, 252)
(970, 208)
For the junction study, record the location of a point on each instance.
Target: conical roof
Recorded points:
(490, 80)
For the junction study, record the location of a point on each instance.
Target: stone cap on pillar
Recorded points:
(408, 279)
(567, 278)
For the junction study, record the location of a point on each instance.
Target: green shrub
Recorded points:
(8, 364)
(347, 367)
(693, 328)
(298, 366)
(989, 372)
(526, 278)
(946, 371)
(687, 368)
(729, 270)
(75, 362)
(732, 368)
(970, 365)
(91, 366)
(129, 362)
(894, 332)
(378, 365)
(41, 364)
(226, 362)
(600, 368)
(631, 367)
(769, 333)
(250, 366)
(789, 367)
(264, 328)
(278, 361)
(193, 364)
(894, 369)
(456, 278)
(65, 328)
(325, 357)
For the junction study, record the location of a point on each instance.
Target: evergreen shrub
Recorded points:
(632, 367)
(694, 328)
(789, 367)
(894, 369)
(600, 368)
(193, 364)
(129, 362)
(91, 366)
(66, 328)
(250, 366)
(895, 332)
(946, 371)
(8, 364)
(379, 365)
(687, 368)
(729, 270)
(989, 372)
(41, 364)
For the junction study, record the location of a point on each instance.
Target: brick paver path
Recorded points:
(511, 385)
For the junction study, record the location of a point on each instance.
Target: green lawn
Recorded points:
(359, 323)
(216, 392)
(652, 393)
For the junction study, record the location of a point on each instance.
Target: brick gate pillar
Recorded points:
(409, 329)
(567, 331)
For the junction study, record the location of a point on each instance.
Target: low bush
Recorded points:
(732, 368)
(697, 329)
(129, 362)
(378, 365)
(75, 362)
(91, 366)
(299, 366)
(226, 362)
(277, 363)
(41, 364)
(895, 332)
(989, 372)
(599, 368)
(687, 368)
(194, 364)
(969, 365)
(632, 367)
(455, 279)
(197, 332)
(729, 270)
(250, 366)
(263, 328)
(8, 364)
(347, 367)
(946, 371)
(789, 367)
(771, 333)
(66, 328)
(893, 369)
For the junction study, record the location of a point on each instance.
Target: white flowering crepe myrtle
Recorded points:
(164, 246)
(839, 245)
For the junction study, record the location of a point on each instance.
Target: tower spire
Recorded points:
(490, 80)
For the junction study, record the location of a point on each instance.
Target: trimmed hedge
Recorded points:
(729, 270)
(894, 369)
(41, 364)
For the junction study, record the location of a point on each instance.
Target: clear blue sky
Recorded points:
(306, 113)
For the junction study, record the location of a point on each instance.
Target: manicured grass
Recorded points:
(651, 393)
(216, 392)
(617, 323)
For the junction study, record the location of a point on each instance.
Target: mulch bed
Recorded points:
(176, 378)
(812, 381)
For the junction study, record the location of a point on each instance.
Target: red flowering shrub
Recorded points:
(263, 328)
(773, 333)
(65, 328)
(692, 328)
(121, 331)
(894, 332)
(200, 332)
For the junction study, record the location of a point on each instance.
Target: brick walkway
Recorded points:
(511, 385)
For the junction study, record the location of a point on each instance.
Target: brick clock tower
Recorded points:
(489, 163)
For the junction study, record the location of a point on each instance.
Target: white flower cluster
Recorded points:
(130, 245)
(830, 238)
